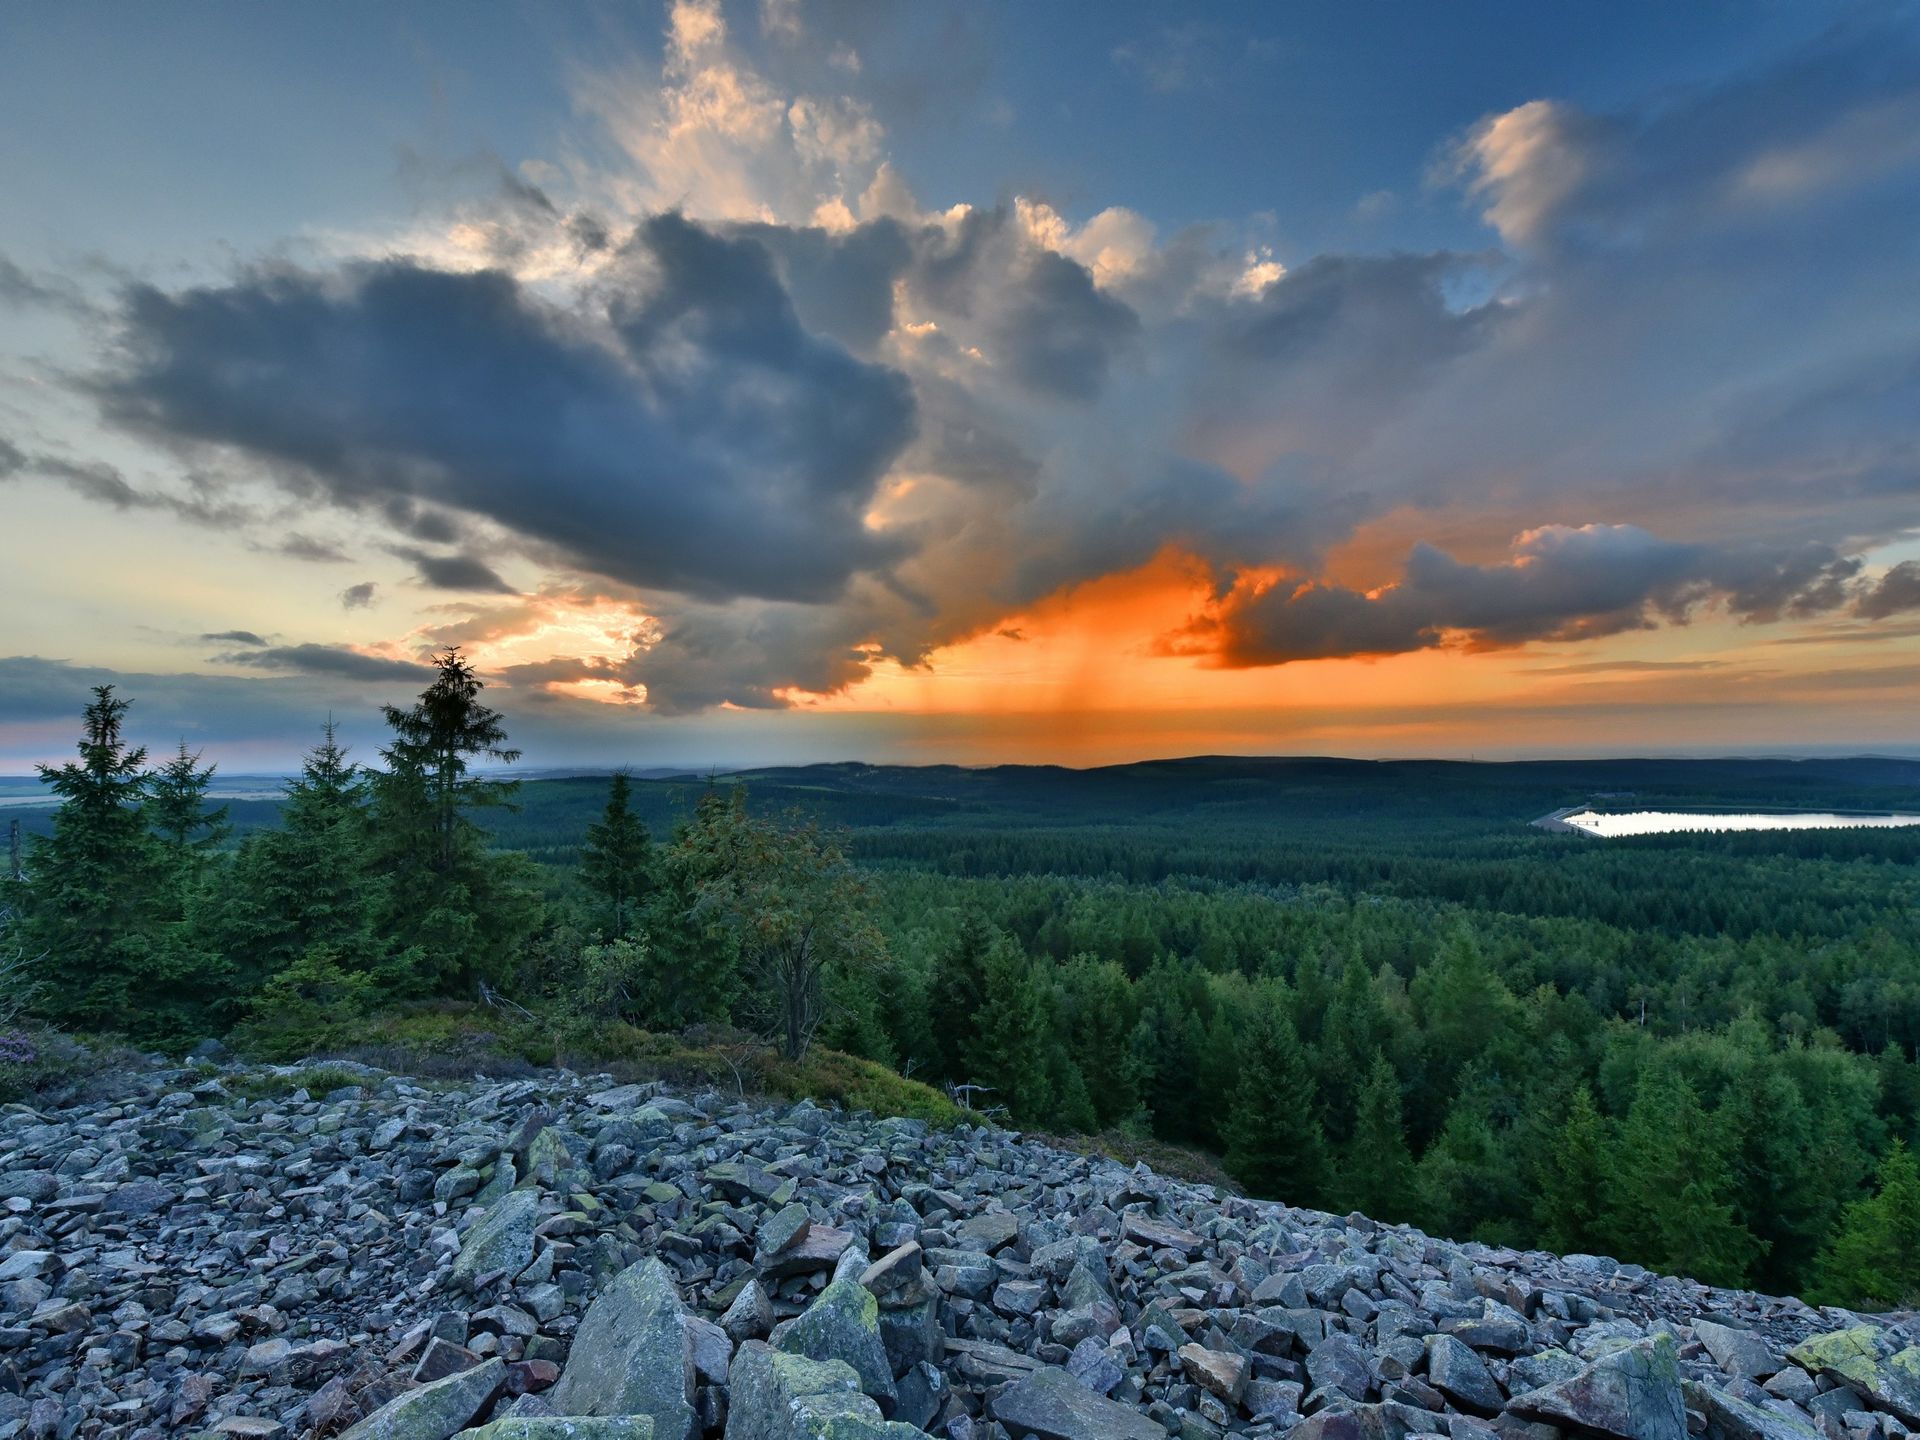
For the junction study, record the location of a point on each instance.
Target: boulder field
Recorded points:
(566, 1257)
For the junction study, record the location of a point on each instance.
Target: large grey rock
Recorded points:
(436, 1411)
(501, 1240)
(1462, 1376)
(1386, 1421)
(1730, 1418)
(565, 1427)
(775, 1395)
(844, 1324)
(632, 1355)
(1861, 1357)
(750, 1316)
(1052, 1404)
(1337, 1363)
(1219, 1372)
(1740, 1353)
(1633, 1393)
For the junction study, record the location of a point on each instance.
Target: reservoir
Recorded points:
(1667, 822)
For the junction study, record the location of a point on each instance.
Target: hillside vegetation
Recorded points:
(1368, 986)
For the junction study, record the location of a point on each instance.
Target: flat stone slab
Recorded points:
(1052, 1404)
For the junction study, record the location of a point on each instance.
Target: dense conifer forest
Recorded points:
(1366, 986)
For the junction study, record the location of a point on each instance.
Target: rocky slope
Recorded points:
(406, 1261)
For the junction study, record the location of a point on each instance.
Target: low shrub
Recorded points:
(273, 1084)
(454, 1039)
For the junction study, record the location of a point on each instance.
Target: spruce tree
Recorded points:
(693, 951)
(176, 807)
(1355, 1030)
(1570, 1176)
(1378, 1176)
(91, 886)
(1669, 1186)
(1874, 1261)
(303, 885)
(1168, 1046)
(956, 991)
(617, 858)
(454, 911)
(1099, 1019)
(1275, 1145)
(428, 787)
(1011, 1034)
(1469, 1184)
(187, 830)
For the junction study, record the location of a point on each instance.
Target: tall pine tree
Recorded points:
(1874, 1260)
(1011, 1034)
(1275, 1145)
(1377, 1177)
(617, 858)
(455, 911)
(303, 885)
(1669, 1186)
(1570, 1174)
(429, 781)
(91, 886)
(176, 808)
(956, 991)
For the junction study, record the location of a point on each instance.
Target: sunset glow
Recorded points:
(723, 396)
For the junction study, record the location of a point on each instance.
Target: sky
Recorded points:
(793, 380)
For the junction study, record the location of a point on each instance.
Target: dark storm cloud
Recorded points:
(721, 449)
(358, 597)
(1560, 584)
(454, 572)
(841, 284)
(1058, 333)
(1369, 320)
(336, 660)
(1896, 592)
(744, 656)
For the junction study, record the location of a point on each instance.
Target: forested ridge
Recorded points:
(1367, 985)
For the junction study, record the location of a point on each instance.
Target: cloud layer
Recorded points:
(746, 384)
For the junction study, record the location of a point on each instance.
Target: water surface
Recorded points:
(1667, 822)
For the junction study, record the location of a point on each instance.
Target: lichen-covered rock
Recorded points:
(1633, 1393)
(844, 1324)
(565, 1427)
(777, 1395)
(501, 1241)
(436, 1411)
(632, 1355)
(1866, 1359)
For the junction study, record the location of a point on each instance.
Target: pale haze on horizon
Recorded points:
(793, 380)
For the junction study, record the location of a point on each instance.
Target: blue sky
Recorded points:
(294, 115)
(793, 379)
